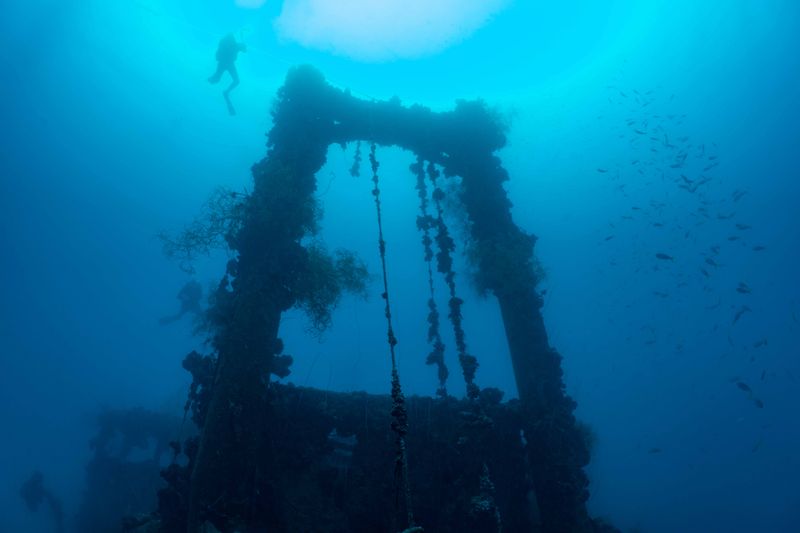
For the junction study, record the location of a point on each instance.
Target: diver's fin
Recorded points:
(231, 110)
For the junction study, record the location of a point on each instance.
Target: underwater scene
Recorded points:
(411, 266)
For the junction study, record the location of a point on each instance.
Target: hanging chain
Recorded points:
(399, 414)
(444, 260)
(355, 169)
(425, 222)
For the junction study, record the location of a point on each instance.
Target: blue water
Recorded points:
(111, 134)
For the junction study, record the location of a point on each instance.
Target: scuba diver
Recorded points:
(34, 493)
(227, 50)
(189, 296)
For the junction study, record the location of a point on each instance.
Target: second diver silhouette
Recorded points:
(34, 493)
(227, 51)
(190, 297)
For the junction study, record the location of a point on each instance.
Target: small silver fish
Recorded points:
(742, 310)
(743, 288)
(757, 445)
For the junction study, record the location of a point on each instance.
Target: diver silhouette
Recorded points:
(227, 51)
(34, 493)
(189, 296)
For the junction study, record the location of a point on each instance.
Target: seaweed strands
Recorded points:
(425, 222)
(444, 261)
(399, 413)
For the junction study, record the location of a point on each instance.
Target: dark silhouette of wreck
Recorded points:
(271, 457)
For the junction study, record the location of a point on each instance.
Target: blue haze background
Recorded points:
(111, 134)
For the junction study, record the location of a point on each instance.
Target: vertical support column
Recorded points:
(557, 451)
(232, 467)
(229, 455)
(233, 462)
(232, 471)
(526, 335)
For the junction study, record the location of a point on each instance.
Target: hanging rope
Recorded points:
(425, 222)
(399, 414)
(444, 260)
(355, 169)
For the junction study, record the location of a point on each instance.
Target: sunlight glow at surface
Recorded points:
(380, 30)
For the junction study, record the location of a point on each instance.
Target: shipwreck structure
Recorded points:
(273, 457)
